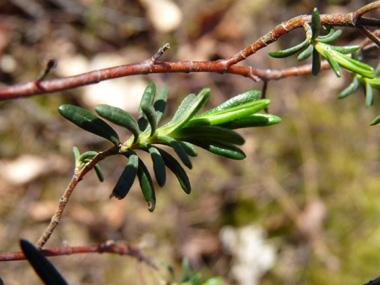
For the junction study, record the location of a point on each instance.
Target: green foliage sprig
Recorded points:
(320, 45)
(212, 130)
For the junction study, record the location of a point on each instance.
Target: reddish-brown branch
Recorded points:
(119, 247)
(151, 65)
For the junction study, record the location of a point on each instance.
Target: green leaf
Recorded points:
(179, 150)
(375, 82)
(119, 117)
(306, 53)
(255, 120)
(324, 51)
(146, 99)
(223, 149)
(99, 172)
(76, 157)
(375, 121)
(345, 49)
(350, 88)
(213, 133)
(41, 265)
(368, 94)
(127, 178)
(89, 122)
(336, 58)
(185, 270)
(87, 154)
(316, 63)
(158, 165)
(160, 102)
(146, 185)
(177, 169)
(230, 114)
(76, 153)
(316, 23)
(189, 148)
(150, 114)
(246, 97)
(330, 37)
(187, 113)
(290, 51)
(183, 106)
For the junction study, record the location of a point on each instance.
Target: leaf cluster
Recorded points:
(212, 130)
(318, 46)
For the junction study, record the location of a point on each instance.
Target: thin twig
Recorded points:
(119, 247)
(365, 9)
(370, 35)
(78, 176)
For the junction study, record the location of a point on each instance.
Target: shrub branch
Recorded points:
(353, 20)
(118, 247)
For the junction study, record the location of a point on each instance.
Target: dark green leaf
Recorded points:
(146, 185)
(119, 117)
(158, 165)
(316, 23)
(290, 51)
(127, 178)
(150, 114)
(178, 148)
(146, 99)
(42, 266)
(89, 122)
(214, 133)
(99, 172)
(87, 154)
(160, 102)
(189, 148)
(177, 169)
(316, 64)
(223, 149)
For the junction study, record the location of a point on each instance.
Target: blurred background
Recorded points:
(302, 208)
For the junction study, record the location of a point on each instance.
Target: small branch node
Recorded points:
(359, 13)
(159, 53)
(52, 63)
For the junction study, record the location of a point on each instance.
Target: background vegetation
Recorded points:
(306, 197)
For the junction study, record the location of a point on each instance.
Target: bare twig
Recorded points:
(119, 247)
(78, 176)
